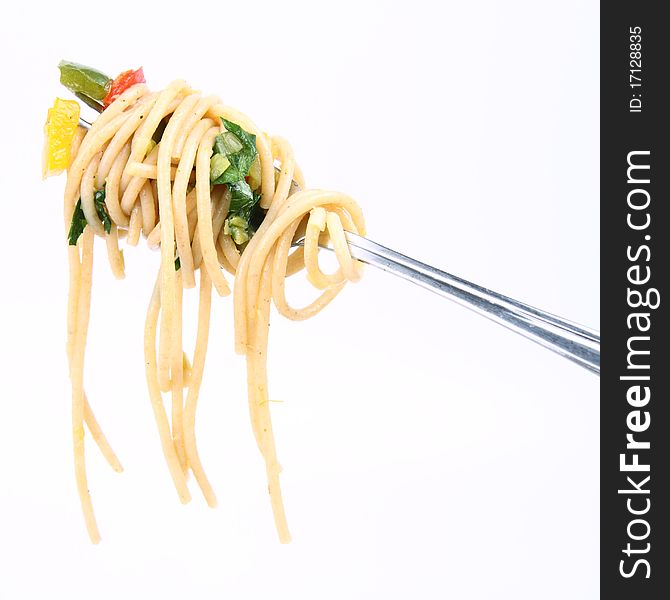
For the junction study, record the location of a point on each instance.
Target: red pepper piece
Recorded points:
(122, 83)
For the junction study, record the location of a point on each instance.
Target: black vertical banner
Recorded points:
(635, 258)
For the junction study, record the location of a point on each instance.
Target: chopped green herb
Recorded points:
(254, 177)
(217, 165)
(257, 215)
(158, 134)
(150, 146)
(234, 157)
(177, 264)
(77, 224)
(241, 196)
(245, 214)
(101, 209)
(239, 148)
(239, 235)
(227, 143)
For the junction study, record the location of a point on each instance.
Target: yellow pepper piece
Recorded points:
(59, 130)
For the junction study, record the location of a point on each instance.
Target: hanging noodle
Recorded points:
(166, 195)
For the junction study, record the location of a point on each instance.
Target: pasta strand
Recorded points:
(160, 185)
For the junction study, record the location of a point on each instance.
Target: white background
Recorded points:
(427, 453)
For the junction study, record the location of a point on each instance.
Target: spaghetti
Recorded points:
(146, 167)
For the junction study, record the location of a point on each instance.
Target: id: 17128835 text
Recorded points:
(635, 69)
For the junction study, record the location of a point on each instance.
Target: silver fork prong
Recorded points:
(95, 105)
(574, 342)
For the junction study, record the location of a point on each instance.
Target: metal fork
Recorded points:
(574, 342)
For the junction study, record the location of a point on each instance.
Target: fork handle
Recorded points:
(574, 342)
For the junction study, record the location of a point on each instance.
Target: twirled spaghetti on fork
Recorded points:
(197, 178)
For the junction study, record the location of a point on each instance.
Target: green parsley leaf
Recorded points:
(241, 197)
(101, 209)
(245, 214)
(257, 214)
(77, 224)
(239, 147)
(233, 155)
(158, 134)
